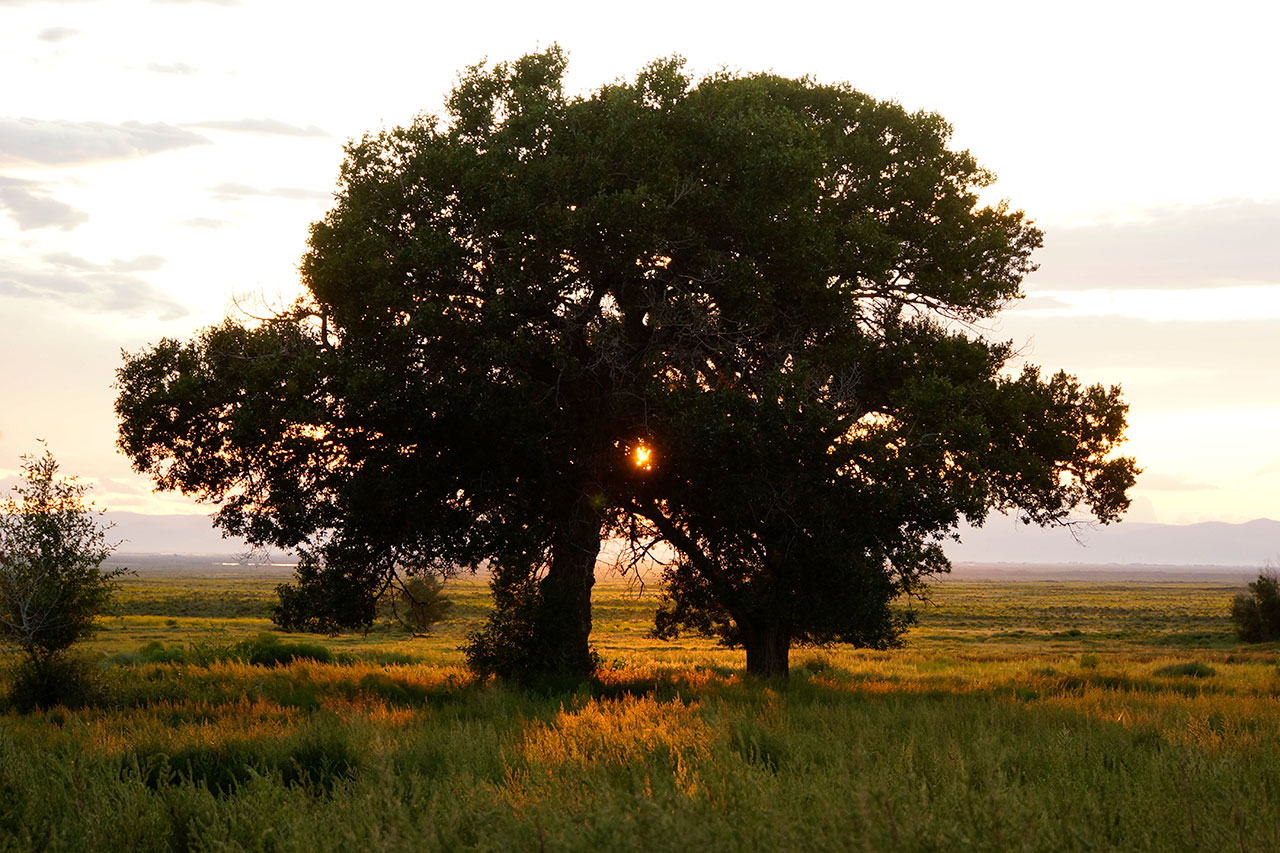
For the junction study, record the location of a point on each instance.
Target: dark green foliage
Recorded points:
(756, 278)
(523, 639)
(328, 596)
(1190, 669)
(390, 658)
(392, 691)
(758, 744)
(320, 756)
(267, 650)
(220, 767)
(263, 650)
(1256, 613)
(315, 758)
(156, 652)
(58, 680)
(420, 603)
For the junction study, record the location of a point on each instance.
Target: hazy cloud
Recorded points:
(261, 127)
(1040, 302)
(1170, 364)
(142, 263)
(99, 288)
(1155, 481)
(1269, 470)
(195, 2)
(170, 68)
(230, 191)
(60, 142)
(56, 34)
(206, 222)
(1181, 247)
(32, 207)
(1115, 340)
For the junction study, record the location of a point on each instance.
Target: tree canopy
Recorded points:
(52, 547)
(770, 286)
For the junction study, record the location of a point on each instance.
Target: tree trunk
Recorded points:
(768, 650)
(565, 620)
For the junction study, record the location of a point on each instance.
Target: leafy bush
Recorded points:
(1190, 669)
(265, 649)
(52, 587)
(1256, 613)
(331, 594)
(525, 637)
(424, 603)
(59, 680)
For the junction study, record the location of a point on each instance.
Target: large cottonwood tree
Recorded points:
(770, 284)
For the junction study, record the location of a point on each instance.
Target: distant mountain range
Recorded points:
(1005, 540)
(1001, 540)
(170, 534)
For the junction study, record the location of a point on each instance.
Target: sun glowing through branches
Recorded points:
(642, 456)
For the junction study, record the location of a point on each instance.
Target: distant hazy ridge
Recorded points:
(1002, 540)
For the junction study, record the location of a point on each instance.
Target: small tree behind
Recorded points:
(424, 603)
(51, 582)
(1256, 613)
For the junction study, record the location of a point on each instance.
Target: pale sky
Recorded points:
(160, 162)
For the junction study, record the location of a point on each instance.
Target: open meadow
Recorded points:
(1027, 714)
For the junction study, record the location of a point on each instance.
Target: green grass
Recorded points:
(1018, 716)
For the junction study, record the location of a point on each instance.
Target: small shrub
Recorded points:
(52, 587)
(332, 593)
(525, 622)
(1256, 613)
(267, 650)
(424, 603)
(263, 650)
(1089, 661)
(219, 767)
(59, 680)
(1191, 669)
(155, 652)
(817, 665)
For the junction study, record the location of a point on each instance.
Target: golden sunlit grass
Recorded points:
(1018, 716)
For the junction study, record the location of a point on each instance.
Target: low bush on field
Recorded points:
(1256, 613)
(263, 650)
(1191, 669)
(63, 680)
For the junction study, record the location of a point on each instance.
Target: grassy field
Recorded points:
(1020, 715)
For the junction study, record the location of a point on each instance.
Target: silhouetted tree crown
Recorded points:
(768, 285)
